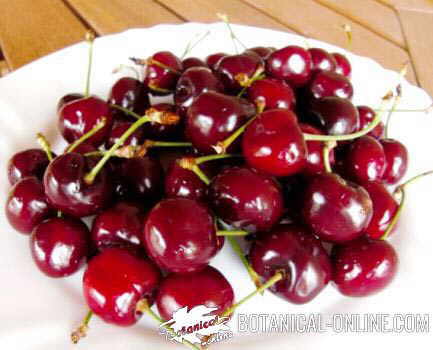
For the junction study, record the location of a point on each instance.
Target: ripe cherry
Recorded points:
(60, 246)
(67, 191)
(271, 93)
(183, 242)
(115, 281)
(261, 51)
(207, 287)
(68, 98)
(326, 84)
(31, 162)
(366, 116)
(273, 143)
(300, 255)
(213, 60)
(343, 65)
(193, 62)
(396, 161)
(118, 129)
(161, 72)
(321, 60)
(246, 199)
(27, 205)
(292, 64)
(363, 267)
(336, 211)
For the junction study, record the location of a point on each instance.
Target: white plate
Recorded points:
(38, 312)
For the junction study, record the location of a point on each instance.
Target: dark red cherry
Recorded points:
(60, 246)
(31, 162)
(161, 72)
(297, 252)
(314, 164)
(213, 60)
(246, 199)
(271, 93)
(180, 235)
(366, 116)
(207, 287)
(292, 64)
(192, 83)
(261, 51)
(396, 161)
(321, 60)
(120, 225)
(27, 205)
(180, 182)
(80, 116)
(68, 98)
(384, 209)
(82, 148)
(128, 93)
(193, 62)
(336, 211)
(365, 160)
(115, 281)
(343, 64)
(273, 143)
(119, 128)
(363, 267)
(157, 131)
(337, 116)
(67, 191)
(212, 118)
(326, 84)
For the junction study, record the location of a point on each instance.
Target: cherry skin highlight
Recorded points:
(321, 60)
(328, 84)
(343, 65)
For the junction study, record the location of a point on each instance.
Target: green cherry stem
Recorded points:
(190, 46)
(221, 147)
(90, 38)
(45, 145)
(126, 110)
(232, 233)
(392, 110)
(223, 17)
(81, 331)
(203, 159)
(327, 148)
(348, 31)
(87, 135)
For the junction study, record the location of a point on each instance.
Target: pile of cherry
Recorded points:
(265, 144)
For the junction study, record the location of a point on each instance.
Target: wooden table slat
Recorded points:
(419, 5)
(371, 14)
(4, 68)
(107, 17)
(31, 29)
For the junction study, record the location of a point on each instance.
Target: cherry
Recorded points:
(68, 98)
(60, 246)
(193, 62)
(396, 161)
(207, 287)
(336, 211)
(292, 64)
(78, 117)
(119, 128)
(213, 60)
(161, 72)
(273, 143)
(366, 115)
(322, 60)
(363, 267)
(31, 162)
(300, 255)
(236, 70)
(184, 242)
(26, 205)
(246, 199)
(365, 160)
(82, 148)
(192, 83)
(120, 225)
(384, 208)
(343, 65)
(128, 93)
(271, 93)
(67, 191)
(115, 281)
(315, 163)
(326, 84)
(212, 118)
(261, 51)
(337, 116)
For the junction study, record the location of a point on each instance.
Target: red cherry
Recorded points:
(183, 242)
(27, 205)
(207, 287)
(161, 72)
(193, 62)
(343, 64)
(273, 143)
(336, 211)
(246, 199)
(213, 60)
(322, 60)
(298, 253)
(31, 162)
(364, 267)
(60, 246)
(119, 128)
(68, 98)
(366, 116)
(115, 281)
(326, 84)
(271, 93)
(261, 51)
(396, 161)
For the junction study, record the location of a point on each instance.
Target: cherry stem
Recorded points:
(203, 159)
(392, 110)
(348, 31)
(221, 147)
(81, 331)
(247, 82)
(269, 283)
(327, 148)
(90, 38)
(45, 145)
(87, 135)
(127, 111)
(223, 17)
(190, 46)
(232, 233)
(421, 110)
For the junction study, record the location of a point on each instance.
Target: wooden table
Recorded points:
(390, 31)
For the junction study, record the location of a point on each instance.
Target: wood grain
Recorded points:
(373, 15)
(4, 68)
(31, 29)
(109, 16)
(419, 5)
